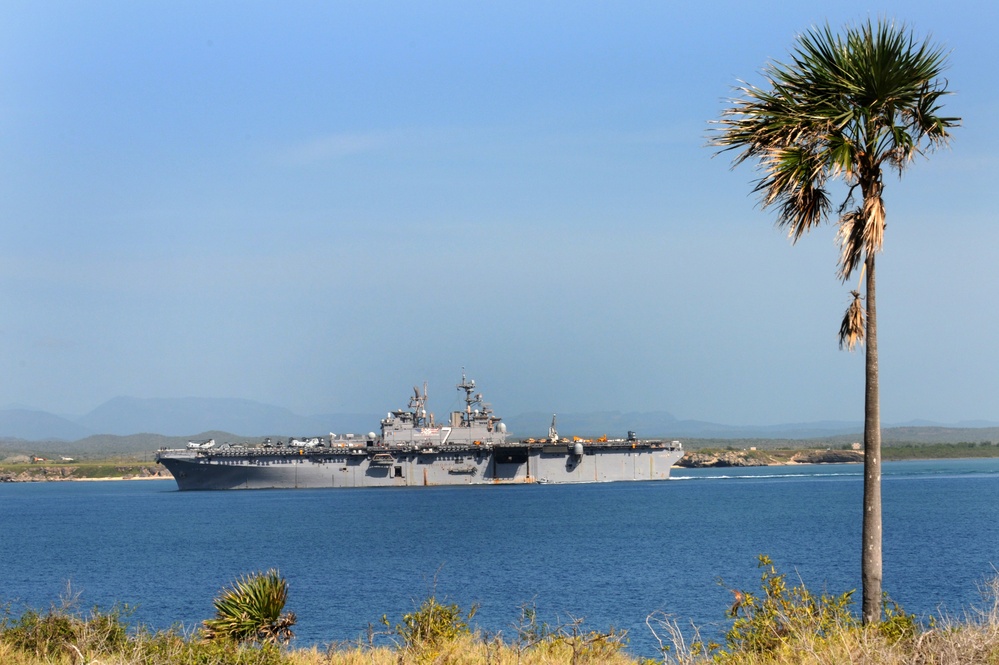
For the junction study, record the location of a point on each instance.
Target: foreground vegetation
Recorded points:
(778, 624)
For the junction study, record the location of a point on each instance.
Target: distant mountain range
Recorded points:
(185, 416)
(181, 417)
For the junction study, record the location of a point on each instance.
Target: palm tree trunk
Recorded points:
(870, 565)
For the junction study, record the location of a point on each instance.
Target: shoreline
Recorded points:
(723, 465)
(91, 480)
(81, 480)
(708, 458)
(38, 473)
(693, 459)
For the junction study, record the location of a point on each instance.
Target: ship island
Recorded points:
(413, 450)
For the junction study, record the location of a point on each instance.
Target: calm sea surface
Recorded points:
(611, 553)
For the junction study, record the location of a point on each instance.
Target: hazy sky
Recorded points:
(319, 205)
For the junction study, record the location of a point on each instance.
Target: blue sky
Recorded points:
(318, 205)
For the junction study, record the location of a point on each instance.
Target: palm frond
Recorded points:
(794, 181)
(853, 328)
(850, 236)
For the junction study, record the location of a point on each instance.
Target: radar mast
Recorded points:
(476, 411)
(418, 405)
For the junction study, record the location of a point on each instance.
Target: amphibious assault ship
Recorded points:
(412, 449)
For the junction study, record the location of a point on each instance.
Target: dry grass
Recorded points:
(959, 645)
(62, 638)
(465, 650)
(953, 643)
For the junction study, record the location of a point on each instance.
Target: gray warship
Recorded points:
(413, 450)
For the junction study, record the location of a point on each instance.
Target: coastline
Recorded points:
(744, 458)
(37, 473)
(166, 476)
(695, 458)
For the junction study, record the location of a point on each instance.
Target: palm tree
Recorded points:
(845, 107)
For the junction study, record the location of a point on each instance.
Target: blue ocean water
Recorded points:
(609, 553)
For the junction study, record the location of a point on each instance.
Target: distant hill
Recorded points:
(611, 423)
(129, 415)
(104, 446)
(124, 416)
(663, 424)
(36, 425)
(144, 424)
(938, 434)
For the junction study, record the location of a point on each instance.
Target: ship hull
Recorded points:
(509, 464)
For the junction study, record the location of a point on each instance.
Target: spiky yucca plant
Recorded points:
(250, 610)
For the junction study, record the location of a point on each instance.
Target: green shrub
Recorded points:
(59, 631)
(780, 614)
(433, 624)
(250, 611)
(42, 635)
(897, 625)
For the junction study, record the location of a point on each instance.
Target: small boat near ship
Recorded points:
(413, 450)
